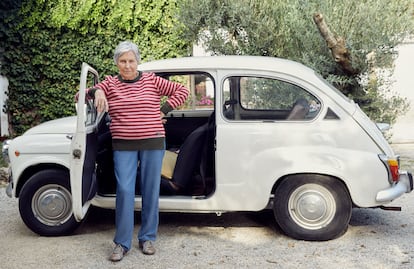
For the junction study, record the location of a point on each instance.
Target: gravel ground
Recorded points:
(375, 239)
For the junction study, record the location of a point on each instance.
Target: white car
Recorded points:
(256, 133)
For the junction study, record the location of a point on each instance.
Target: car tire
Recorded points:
(312, 207)
(45, 203)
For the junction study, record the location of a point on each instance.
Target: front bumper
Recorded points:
(404, 185)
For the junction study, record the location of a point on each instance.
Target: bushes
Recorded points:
(43, 52)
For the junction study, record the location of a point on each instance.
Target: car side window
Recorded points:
(201, 89)
(259, 98)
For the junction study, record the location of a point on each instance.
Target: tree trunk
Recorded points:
(337, 46)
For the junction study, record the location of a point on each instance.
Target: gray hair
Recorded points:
(126, 46)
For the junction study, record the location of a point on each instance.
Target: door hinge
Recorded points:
(77, 153)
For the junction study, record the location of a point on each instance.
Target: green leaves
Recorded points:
(286, 29)
(46, 41)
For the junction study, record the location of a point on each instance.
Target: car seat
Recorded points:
(299, 110)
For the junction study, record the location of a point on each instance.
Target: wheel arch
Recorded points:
(321, 175)
(31, 170)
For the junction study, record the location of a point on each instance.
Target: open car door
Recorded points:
(84, 146)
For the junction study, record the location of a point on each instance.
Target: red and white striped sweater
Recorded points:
(134, 107)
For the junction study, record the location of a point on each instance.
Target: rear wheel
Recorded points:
(45, 203)
(312, 207)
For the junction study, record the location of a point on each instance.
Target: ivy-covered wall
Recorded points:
(41, 55)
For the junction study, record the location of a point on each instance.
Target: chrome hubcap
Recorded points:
(52, 205)
(312, 206)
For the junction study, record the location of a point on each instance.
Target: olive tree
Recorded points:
(349, 42)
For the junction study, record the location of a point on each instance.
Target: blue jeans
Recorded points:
(126, 167)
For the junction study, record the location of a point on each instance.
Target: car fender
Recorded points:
(343, 164)
(55, 153)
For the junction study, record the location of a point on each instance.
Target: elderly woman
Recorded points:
(132, 99)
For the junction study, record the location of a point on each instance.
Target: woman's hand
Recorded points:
(100, 101)
(162, 118)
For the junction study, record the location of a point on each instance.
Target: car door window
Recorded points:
(259, 98)
(201, 89)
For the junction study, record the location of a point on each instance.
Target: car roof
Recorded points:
(227, 62)
(236, 62)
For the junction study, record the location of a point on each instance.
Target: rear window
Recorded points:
(260, 98)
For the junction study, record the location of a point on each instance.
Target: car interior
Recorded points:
(190, 138)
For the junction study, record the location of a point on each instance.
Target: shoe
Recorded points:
(147, 247)
(118, 253)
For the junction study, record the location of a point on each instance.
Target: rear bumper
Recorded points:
(404, 185)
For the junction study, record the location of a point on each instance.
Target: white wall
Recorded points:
(4, 123)
(403, 130)
(198, 50)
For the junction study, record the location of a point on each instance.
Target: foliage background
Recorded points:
(44, 43)
(286, 29)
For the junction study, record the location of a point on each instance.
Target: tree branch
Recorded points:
(337, 46)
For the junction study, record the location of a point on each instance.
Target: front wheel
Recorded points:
(312, 207)
(45, 203)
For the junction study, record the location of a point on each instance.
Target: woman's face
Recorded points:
(127, 65)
